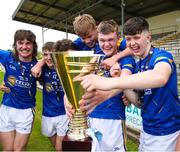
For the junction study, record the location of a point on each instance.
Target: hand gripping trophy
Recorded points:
(69, 65)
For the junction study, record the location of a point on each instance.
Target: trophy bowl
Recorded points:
(71, 64)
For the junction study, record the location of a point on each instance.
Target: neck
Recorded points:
(147, 51)
(28, 59)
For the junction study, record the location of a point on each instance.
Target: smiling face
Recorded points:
(25, 46)
(108, 37)
(47, 58)
(139, 44)
(90, 39)
(136, 31)
(108, 43)
(85, 27)
(47, 49)
(24, 49)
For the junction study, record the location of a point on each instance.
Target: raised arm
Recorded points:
(37, 69)
(154, 78)
(109, 62)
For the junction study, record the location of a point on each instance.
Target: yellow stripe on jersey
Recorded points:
(160, 58)
(128, 65)
(119, 42)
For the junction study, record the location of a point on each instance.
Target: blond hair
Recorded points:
(109, 26)
(84, 24)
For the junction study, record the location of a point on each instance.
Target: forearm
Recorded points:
(144, 80)
(40, 63)
(132, 97)
(36, 70)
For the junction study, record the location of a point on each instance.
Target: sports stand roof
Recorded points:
(59, 14)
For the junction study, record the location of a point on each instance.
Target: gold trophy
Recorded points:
(69, 65)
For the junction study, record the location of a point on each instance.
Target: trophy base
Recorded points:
(69, 144)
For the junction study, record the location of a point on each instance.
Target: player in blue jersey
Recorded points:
(109, 117)
(18, 103)
(85, 27)
(54, 119)
(155, 82)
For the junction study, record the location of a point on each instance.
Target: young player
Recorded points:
(156, 84)
(54, 119)
(109, 116)
(85, 27)
(18, 103)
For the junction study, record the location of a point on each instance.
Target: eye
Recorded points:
(19, 42)
(111, 40)
(128, 39)
(102, 41)
(45, 54)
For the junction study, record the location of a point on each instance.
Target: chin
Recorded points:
(50, 65)
(108, 53)
(92, 45)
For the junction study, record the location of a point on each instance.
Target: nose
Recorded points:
(106, 43)
(132, 42)
(49, 56)
(24, 46)
(87, 40)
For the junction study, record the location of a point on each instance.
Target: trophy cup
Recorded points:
(69, 65)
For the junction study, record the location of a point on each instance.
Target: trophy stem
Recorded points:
(78, 125)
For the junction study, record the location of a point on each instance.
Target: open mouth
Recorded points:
(25, 51)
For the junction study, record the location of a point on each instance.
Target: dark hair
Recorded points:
(48, 46)
(135, 26)
(63, 45)
(25, 34)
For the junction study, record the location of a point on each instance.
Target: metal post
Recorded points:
(66, 29)
(42, 35)
(122, 17)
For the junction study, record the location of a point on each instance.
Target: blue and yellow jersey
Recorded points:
(161, 106)
(114, 108)
(121, 44)
(53, 94)
(80, 45)
(20, 81)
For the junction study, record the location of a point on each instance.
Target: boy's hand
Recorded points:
(92, 82)
(68, 107)
(36, 71)
(125, 101)
(4, 88)
(109, 62)
(92, 99)
(115, 70)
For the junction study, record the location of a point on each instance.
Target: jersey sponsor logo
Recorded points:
(11, 80)
(12, 67)
(23, 84)
(147, 91)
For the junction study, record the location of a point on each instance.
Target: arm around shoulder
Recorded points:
(37, 69)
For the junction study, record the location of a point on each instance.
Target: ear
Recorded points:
(149, 36)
